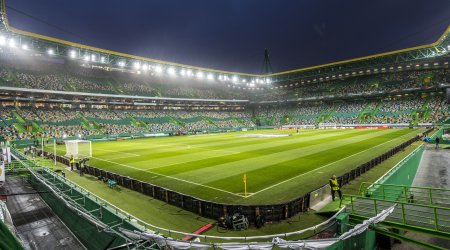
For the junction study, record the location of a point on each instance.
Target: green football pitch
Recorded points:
(278, 169)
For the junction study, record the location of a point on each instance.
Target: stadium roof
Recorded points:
(440, 47)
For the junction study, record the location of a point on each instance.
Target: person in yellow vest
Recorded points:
(334, 184)
(72, 162)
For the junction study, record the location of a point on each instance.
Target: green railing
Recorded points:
(418, 195)
(418, 217)
(15, 165)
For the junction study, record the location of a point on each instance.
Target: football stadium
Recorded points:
(107, 150)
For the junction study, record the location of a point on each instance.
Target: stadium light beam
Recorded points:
(183, 72)
(137, 65)
(200, 75)
(73, 54)
(12, 43)
(158, 69)
(50, 52)
(87, 58)
(171, 71)
(93, 57)
(210, 76)
(144, 67)
(24, 47)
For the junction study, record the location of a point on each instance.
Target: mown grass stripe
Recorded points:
(255, 157)
(277, 171)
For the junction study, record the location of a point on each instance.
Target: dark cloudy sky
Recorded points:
(232, 34)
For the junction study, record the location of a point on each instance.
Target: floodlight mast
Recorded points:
(267, 65)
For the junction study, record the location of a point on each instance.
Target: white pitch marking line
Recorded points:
(187, 146)
(279, 183)
(176, 163)
(117, 152)
(171, 177)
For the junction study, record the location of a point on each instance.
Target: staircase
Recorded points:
(20, 122)
(87, 124)
(138, 123)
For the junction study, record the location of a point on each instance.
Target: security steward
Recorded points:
(72, 162)
(334, 184)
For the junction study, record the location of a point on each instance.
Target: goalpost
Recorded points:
(328, 125)
(79, 149)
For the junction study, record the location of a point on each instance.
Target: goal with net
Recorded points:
(79, 149)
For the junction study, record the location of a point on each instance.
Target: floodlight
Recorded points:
(158, 69)
(210, 76)
(145, 67)
(221, 77)
(189, 72)
(183, 72)
(50, 52)
(137, 65)
(24, 47)
(93, 57)
(121, 64)
(235, 78)
(268, 80)
(102, 59)
(12, 43)
(171, 71)
(200, 74)
(2, 40)
(244, 81)
(87, 58)
(73, 54)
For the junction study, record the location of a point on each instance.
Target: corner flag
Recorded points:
(245, 185)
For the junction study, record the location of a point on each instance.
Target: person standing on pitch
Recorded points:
(334, 184)
(437, 142)
(72, 162)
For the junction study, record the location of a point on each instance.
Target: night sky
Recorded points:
(232, 34)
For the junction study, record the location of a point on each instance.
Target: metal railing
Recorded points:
(428, 217)
(438, 197)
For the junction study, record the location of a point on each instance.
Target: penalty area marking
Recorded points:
(176, 163)
(292, 178)
(171, 177)
(187, 146)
